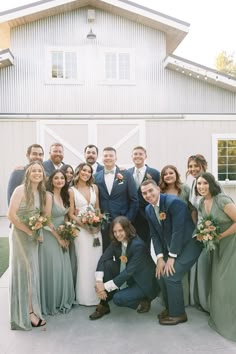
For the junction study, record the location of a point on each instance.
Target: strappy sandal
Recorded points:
(40, 322)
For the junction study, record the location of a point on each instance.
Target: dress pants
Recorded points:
(171, 286)
(127, 297)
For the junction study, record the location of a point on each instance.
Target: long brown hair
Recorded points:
(126, 226)
(78, 169)
(29, 195)
(200, 161)
(164, 185)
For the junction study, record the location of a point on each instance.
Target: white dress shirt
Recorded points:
(109, 285)
(109, 179)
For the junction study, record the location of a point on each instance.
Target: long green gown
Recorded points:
(24, 273)
(56, 281)
(222, 290)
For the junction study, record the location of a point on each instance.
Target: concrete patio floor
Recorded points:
(122, 331)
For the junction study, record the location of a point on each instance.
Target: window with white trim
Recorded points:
(119, 66)
(62, 64)
(225, 157)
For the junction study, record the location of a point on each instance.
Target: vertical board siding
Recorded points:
(23, 87)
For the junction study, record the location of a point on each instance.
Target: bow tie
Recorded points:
(109, 171)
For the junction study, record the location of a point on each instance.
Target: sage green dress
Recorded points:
(56, 281)
(222, 285)
(24, 273)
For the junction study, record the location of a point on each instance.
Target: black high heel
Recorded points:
(39, 324)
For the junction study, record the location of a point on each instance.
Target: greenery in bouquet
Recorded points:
(94, 220)
(35, 222)
(68, 231)
(207, 232)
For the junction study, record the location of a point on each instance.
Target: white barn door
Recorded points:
(123, 135)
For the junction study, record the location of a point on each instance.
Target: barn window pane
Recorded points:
(226, 160)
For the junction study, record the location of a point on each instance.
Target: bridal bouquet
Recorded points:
(68, 231)
(93, 220)
(207, 232)
(35, 223)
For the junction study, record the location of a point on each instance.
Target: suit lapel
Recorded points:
(102, 181)
(114, 185)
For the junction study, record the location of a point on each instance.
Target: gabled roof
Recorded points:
(200, 72)
(175, 29)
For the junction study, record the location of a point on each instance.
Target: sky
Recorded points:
(212, 25)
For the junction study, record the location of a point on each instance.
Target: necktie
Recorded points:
(138, 178)
(156, 208)
(123, 264)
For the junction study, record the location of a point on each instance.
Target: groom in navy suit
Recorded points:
(171, 229)
(117, 191)
(142, 172)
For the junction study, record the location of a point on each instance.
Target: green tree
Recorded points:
(226, 63)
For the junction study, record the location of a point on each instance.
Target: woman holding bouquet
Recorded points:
(200, 272)
(222, 295)
(27, 200)
(88, 245)
(56, 282)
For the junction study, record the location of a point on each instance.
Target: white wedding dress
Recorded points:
(87, 255)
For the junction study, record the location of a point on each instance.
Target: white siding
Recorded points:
(168, 141)
(24, 88)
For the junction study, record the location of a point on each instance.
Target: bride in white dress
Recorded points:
(84, 195)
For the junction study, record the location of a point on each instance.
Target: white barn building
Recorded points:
(104, 72)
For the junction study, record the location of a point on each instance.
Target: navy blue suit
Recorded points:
(16, 179)
(140, 221)
(123, 199)
(174, 235)
(139, 273)
(99, 167)
(49, 167)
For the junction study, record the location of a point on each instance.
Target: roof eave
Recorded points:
(200, 72)
(175, 29)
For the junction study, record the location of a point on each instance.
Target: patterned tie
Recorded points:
(123, 264)
(156, 208)
(137, 178)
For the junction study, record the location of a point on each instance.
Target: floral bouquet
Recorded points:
(68, 231)
(35, 223)
(207, 232)
(93, 219)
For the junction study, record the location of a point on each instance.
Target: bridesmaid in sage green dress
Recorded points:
(222, 292)
(56, 281)
(25, 307)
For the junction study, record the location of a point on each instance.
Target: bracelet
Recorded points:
(99, 281)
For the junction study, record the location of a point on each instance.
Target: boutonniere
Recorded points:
(123, 259)
(162, 215)
(147, 176)
(119, 178)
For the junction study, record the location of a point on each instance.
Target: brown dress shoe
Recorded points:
(170, 321)
(144, 306)
(163, 314)
(100, 312)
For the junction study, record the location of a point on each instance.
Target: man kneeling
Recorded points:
(125, 272)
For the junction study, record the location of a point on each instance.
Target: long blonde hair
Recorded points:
(29, 195)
